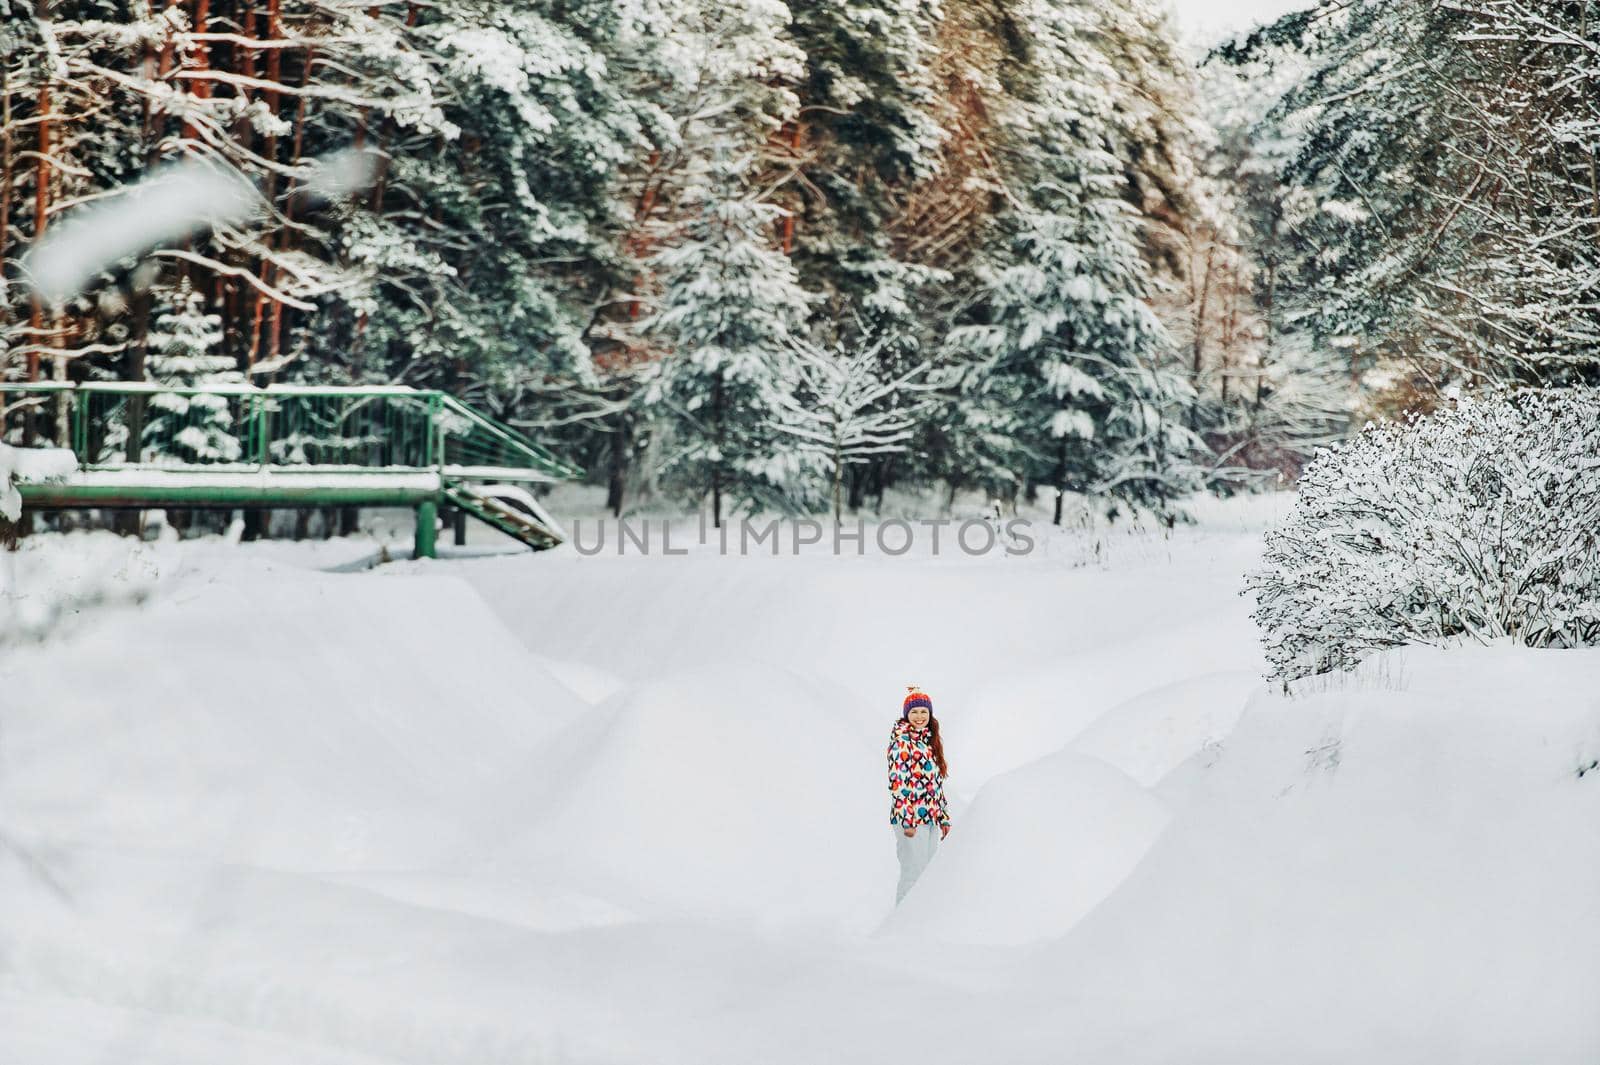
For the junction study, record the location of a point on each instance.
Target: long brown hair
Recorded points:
(937, 744)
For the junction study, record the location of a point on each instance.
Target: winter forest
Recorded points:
(389, 390)
(761, 255)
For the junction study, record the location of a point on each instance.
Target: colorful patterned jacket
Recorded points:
(914, 784)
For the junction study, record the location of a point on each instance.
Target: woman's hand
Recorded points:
(911, 831)
(944, 831)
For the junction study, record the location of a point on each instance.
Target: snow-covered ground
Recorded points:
(570, 809)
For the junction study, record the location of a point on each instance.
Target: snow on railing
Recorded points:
(34, 465)
(121, 424)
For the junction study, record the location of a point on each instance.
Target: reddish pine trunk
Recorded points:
(7, 178)
(274, 71)
(41, 202)
(788, 219)
(200, 86)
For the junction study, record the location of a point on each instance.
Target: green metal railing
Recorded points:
(116, 425)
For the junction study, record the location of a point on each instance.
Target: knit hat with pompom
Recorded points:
(916, 697)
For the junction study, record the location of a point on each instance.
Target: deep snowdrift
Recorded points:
(723, 793)
(1402, 868)
(1020, 653)
(273, 715)
(1151, 734)
(350, 818)
(1039, 847)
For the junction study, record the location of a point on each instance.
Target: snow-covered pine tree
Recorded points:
(701, 78)
(265, 89)
(730, 305)
(1442, 214)
(1157, 126)
(1065, 378)
(867, 77)
(867, 130)
(842, 411)
(495, 232)
(1273, 393)
(62, 137)
(183, 353)
(727, 298)
(22, 62)
(103, 91)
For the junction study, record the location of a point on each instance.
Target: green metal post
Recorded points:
(80, 426)
(427, 514)
(258, 413)
(266, 430)
(433, 427)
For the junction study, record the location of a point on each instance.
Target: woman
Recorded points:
(916, 771)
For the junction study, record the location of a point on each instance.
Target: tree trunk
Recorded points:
(200, 87)
(1270, 334)
(1202, 304)
(41, 218)
(279, 313)
(7, 179)
(151, 67)
(838, 485)
(617, 466)
(788, 216)
(1060, 477)
(718, 435)
(1230, 334)
(274, 71)
(138, 353)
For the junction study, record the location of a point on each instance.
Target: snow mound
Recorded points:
(726, 792)
(1013, 718)
(588, 683)
(973, 633)
(1150, 735)
(1039, 847)
(1405, 865)
(64, 1030)
(229, 721)
(51, 583)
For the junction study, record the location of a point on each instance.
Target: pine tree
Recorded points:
(1441, 214)
(730, 304)
(1065, 375)
(724, 297)
(1268, 394)
(496, 228)
(191, 428)
(865, 133)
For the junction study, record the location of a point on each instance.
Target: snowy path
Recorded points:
(565, 809)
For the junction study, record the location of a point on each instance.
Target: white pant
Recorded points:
(914, 854)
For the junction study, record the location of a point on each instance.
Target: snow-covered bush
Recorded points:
(26, 464)
(1479, 520)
